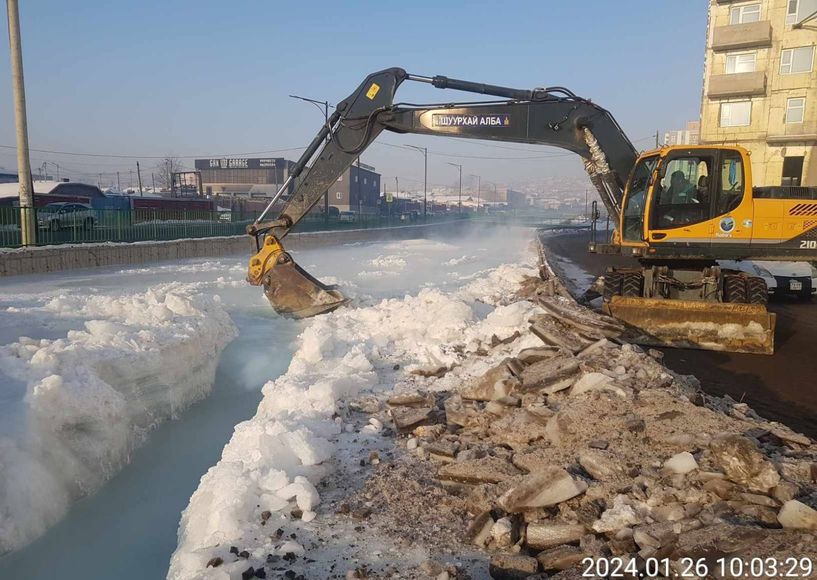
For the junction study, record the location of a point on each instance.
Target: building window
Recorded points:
(738, 114)
(355, 178)
(796, 60)
(792, 171)
(741, 62)
(339, 195)
(796, 10)
(365, 181)
(744, 14)
(791, 11)
(795, 110)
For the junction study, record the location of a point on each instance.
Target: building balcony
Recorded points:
(752, 34)
(793, 133)
(737, 85)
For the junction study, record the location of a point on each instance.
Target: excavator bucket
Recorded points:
(696, 324)
(290, 289)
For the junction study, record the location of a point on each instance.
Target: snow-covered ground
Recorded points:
(435, 303)
(85, 374)
(127, 528)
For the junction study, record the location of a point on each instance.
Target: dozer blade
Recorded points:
(696, 324)
(289, 288)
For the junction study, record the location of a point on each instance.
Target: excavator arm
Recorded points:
(548, 116)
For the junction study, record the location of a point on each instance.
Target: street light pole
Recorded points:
(326, 106)
(458, 166)
(424, 151)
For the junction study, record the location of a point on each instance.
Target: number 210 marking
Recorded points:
(808, 245)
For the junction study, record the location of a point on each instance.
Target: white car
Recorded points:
(797, 278)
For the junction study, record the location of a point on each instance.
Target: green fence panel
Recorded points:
(145, 224)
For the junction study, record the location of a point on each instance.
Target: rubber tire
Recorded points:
(54, 225)
(757, 291)
(612, 285)
(632, 285)
(734, 289)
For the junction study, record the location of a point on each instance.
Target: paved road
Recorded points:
(782, 387)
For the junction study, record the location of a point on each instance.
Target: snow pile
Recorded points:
(388, 262)
(496, 286)
(88, 399)
(276, 457)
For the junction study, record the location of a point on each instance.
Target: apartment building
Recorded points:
(760, 86)
(688, 136)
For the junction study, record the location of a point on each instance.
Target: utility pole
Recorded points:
(153, 181)
(397, 193)
(458, 166)
(139, 176)
(585, 202)
(657, 144)
(118, 184)
(359, 204)
(28, 229)
(326, 106)
(424, 151)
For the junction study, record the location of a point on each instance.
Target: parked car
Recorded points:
(55, 216)
(797, 278)
(348, 216)
(782, 278)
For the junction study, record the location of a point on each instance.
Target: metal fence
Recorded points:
(136, 225)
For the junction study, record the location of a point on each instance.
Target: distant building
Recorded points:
(517, 199)
(689, 136)
(760, 86)
(357, 190)
(8, 177)
(253, 177)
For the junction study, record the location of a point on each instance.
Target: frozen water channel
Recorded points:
(199, 318)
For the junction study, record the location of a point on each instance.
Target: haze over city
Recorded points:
(152, 78)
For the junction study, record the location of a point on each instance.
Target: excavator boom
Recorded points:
(550, 116)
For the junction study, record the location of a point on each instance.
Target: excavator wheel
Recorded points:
(632, 285)
(734, 289)
(612, 285)
(757, 291)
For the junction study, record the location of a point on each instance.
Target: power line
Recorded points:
(117, 156)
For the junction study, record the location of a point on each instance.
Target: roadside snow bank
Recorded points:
(88, 399)
(276, 456)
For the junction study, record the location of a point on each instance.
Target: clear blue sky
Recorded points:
(201, 77)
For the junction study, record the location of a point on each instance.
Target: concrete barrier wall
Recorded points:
(22, 261)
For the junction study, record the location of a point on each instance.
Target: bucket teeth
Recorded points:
(696, 324)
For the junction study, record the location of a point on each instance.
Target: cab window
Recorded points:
(731, 188)
(633, 211)
(681, 196)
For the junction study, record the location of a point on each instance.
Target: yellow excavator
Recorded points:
(677, 210)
